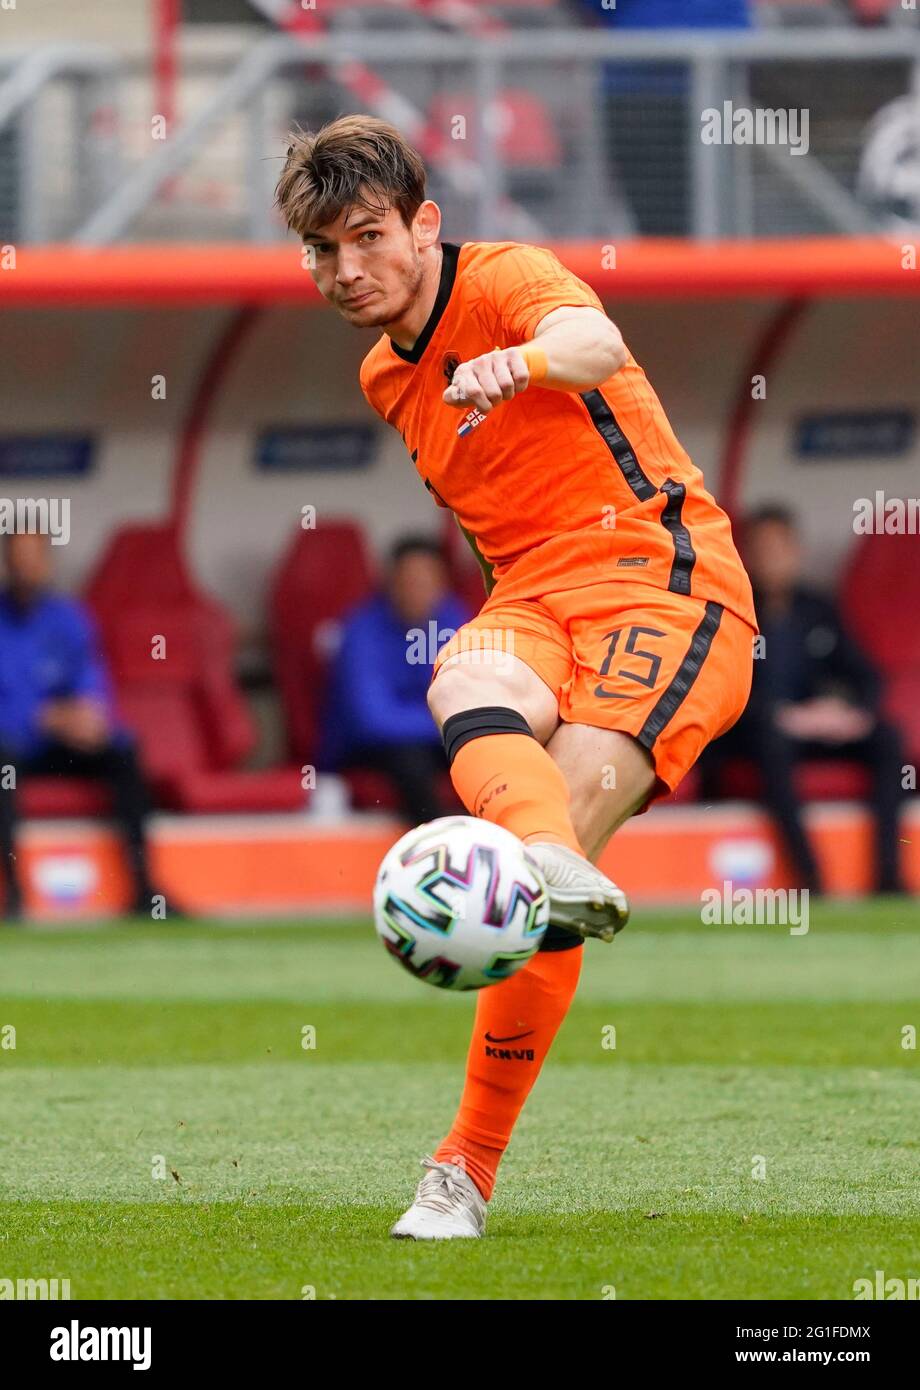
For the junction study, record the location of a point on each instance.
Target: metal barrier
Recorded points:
(89, 76)
(679, 133)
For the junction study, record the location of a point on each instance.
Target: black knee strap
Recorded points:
(474, 723)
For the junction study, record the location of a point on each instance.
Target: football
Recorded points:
(459, 903)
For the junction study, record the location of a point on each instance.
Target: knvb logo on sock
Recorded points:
(496, 1047)
(749, 907)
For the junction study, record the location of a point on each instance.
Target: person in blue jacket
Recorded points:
(56, 712)
(376, 713)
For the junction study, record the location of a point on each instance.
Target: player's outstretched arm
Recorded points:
(573, 349)
(581, 345)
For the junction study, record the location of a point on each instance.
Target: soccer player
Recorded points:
(616, 639)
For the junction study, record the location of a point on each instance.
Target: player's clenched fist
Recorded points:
(486, 380)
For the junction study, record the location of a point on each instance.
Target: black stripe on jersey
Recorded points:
(449, 258)
(684, 554)
(687, 672)
(605, 422)
(607, 426)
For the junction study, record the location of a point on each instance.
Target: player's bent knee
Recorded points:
(456, 688)
(459, 686)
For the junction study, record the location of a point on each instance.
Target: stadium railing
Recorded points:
(643, 133)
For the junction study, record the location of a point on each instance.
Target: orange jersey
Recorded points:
(555, 489)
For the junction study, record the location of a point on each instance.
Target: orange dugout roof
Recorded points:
(650, 269)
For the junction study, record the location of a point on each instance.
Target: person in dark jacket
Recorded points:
(56, 712)
(376, 712)
(815, 695)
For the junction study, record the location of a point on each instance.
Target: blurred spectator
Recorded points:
(648, 121)
(377, 713)
(815, 695)
(56, 710)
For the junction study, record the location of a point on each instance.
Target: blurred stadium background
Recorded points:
(139, 145)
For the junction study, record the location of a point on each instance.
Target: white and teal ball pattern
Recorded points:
(460, 903)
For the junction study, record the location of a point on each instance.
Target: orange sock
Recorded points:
(516, 1022)
(512, 780)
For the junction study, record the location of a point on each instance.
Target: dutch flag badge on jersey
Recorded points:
(470, 422)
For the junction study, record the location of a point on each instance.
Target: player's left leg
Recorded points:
(610, 777)
(514, 1028)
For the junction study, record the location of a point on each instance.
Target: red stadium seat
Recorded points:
(687, 791)
(224, 793)
(375, 791)
(882, 564)
(63, 797)
(836, 780)
(151, 551)
(371, 790)
(168, 728)
(195, 647)
(322, 575)
(171, 724)
(171, 649)
(902, 704)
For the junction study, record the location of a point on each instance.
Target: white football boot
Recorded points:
(447, 1205)
(581, 898)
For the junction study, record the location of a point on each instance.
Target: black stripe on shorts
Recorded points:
(687, 672)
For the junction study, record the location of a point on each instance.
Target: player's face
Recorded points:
(772, 556)
(369, 265)
(418, 583)
(28, 563)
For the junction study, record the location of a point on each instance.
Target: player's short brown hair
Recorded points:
(347, 163)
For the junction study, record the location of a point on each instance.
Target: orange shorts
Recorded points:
(675, 672)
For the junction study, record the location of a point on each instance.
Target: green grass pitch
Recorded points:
(165, 1133)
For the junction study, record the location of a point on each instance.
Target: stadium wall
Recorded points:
(90, 371)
